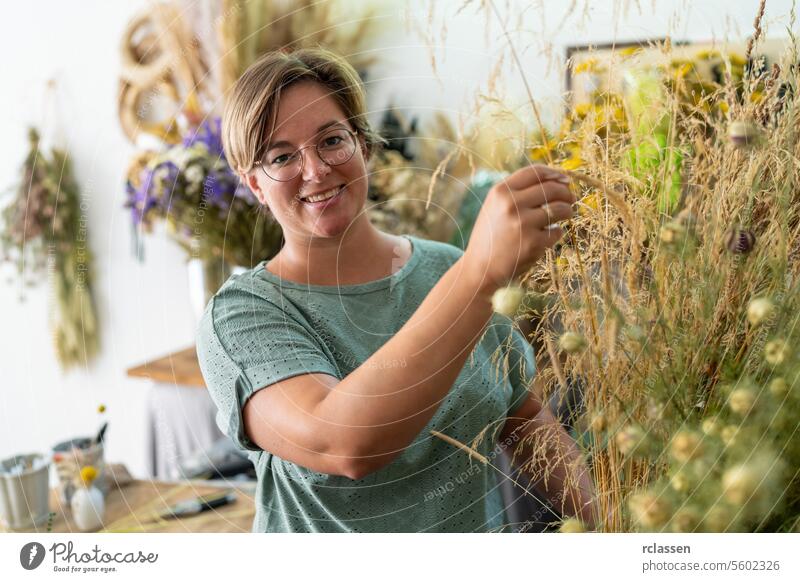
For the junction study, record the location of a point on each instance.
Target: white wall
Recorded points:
(144, 307)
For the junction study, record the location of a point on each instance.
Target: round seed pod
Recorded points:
(686, 445)
(632, 441)
(718, 519)
(739, 241)
(686, 520)
(572, 342)
(779, 387)
(506, 300)
(598, 422)
(572, 526)
(672, 234)
(776, 352)
(680, 482)
(739, 483)
(743, 134)
(760, 310)
(712, 426)
(728, 434)
(742, 400)
(649, 511)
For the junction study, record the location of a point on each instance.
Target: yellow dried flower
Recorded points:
(101, 409)
(649, 511)
(679, 482)
(506, 300)
(572, 526)
(686, 445)
(728, 434)
(776, 352)
(632, 441)
(685, 520)
(589, 204)
(718, 519)
(88, 474)
(712, 426)
(572, 163)
(779, 387)
(598, 422)
(739, 483)
(742, 400)
(572, 342)
(760, 310)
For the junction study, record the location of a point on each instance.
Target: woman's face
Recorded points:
(307, 112)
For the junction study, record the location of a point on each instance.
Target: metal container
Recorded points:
(24, 492)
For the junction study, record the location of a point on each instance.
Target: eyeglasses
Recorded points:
(334, 147)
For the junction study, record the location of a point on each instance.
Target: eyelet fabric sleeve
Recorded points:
(246, 343)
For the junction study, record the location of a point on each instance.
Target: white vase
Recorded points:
(88, 508)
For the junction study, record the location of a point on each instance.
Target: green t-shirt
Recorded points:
(260, 329)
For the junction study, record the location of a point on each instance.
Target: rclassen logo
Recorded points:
(31, 555)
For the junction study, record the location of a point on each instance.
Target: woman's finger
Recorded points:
(547, 214)
(546, 193)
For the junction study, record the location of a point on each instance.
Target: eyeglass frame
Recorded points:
(353, 135)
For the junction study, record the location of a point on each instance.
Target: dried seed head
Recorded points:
(632, 441)
(686, 445)
(742, 400)
(572, 526)
(718, 519)
(685, 520)
(743, 134)
(779, 387)
(506, 300)
(739, 483)
(776, 352)
(672, 234)
(679, 482)
(712, 426)
(728, 434)
(598, 422)
(572, 342)
(649, 511)
(760, 310)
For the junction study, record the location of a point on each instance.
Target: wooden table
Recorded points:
(180, 367)
(132, 508)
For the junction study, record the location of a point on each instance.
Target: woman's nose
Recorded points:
(314, 169)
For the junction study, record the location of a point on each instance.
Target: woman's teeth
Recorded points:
(324, 195)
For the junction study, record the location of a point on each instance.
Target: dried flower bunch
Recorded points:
(207, 210)
(678, 290)
(45, 231)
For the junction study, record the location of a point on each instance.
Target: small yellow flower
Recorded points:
(88, 475)
(572, 163)
(589, 204)
(630, 51)
(587, 66)
(756, 97)
(776, 352)
(562, 263)
(723, 106)
(101, 409)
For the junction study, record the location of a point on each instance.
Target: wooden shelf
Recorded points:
(177, 368)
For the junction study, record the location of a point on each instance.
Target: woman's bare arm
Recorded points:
(361, 423)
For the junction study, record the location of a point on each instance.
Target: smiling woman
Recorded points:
(333, 363)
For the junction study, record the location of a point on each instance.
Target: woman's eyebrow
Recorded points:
(320, 129)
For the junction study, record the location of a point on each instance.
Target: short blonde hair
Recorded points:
(253, 103)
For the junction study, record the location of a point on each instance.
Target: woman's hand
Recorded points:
(511, 232)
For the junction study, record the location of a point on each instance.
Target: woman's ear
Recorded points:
(249, 179)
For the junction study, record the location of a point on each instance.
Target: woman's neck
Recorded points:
(361, 255)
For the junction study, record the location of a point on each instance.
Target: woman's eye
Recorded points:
(332, 141)
(280, 160)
